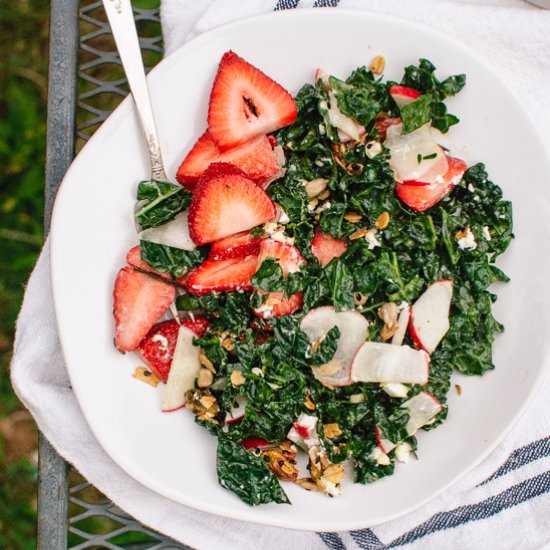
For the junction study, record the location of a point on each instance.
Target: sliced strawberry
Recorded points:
(403, 95)
(133, 258)
(325, 247)
(382, 125)
(235, 246)
(139, 302)
(275, 305)
(226, 202)
(420, 196)
(288, 255)
(222, 275)
(254, 157)
(157, 348)
(245, 103)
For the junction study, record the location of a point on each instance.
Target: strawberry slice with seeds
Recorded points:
(288, 255)
(420, 196)
(235, 246)
(382, 125)
(139, 302)
(403, 95)
(157, 348)
(226, 202)
(254, 157)
(133, 258)
(222, 275)
(245, 103)
(325, 247)
(276, 305)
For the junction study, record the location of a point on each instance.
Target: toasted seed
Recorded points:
(378, 64)
(316, 186)
(315, 345)
(332, 430)
(307, 483)
(237, 378)
(352, 217)
(334, 473)
(141, 373)
(205, 378)
(355, 168)
(324, 195)
(388, 313)
(358, 234)
(310, 406)
(207, 401)
(458, 389)
(205, 362)
(360, 299)
(227, 344)
(387, 332)
(382, 221)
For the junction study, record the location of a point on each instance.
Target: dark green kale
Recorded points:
(159, 202)
(246, 474)
(167, 259)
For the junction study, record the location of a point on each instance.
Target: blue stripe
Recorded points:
(520, 457)
(332, 540)
(286, 5)
(513, 496)
(326, 3)
(367, 539)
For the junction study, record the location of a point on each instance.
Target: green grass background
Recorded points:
(23, 92)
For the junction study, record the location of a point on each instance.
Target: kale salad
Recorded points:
(317, 276)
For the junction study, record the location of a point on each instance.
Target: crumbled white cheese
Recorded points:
(403, 452)
(266, 310)
(471, 188)
(322, 207)
(468, 241)
(281, 237)
(284, 217)
(373, 149)
(329, 487)
(163, 342)
(311, 207)
(322, 129)
(270, 227)
(395, 389)
(257, 371)
(486, 232)
(380, 457)
(319, 163)
(370, 237)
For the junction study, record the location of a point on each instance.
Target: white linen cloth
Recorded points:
(503, 503)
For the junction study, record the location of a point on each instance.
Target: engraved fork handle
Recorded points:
(123, 26)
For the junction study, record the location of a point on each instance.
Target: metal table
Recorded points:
(86, 82)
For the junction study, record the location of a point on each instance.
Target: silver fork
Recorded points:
(123, 26)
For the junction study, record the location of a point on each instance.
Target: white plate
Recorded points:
(93, 228)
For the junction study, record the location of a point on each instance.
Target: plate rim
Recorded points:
(125, 109)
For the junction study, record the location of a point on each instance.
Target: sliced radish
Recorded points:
(255, 443)
(304, 432)
(348, 129)
(403, 95)
(175, 233)
(384, 444)
(415, 156)
(353, 332)
(237, 413)
(423, 408)
(183, 371)
(429, 320)
(386, 363)
(402, 323)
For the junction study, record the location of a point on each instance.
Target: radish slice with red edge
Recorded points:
(402, 323)
(252, 442)
(429, 320)
(403, 95)
(386, 363)
(183, 371)
(353, 332)
(423, 408)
